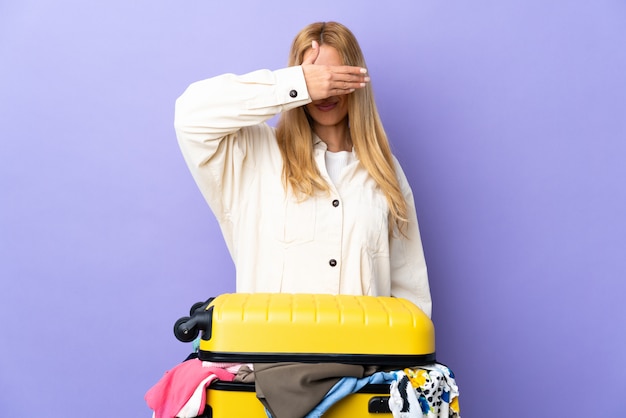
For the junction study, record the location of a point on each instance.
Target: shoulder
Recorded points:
(403, 182)
(398, 169)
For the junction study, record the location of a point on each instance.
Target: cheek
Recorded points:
(344, 107)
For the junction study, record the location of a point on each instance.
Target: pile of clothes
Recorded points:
(289, 390)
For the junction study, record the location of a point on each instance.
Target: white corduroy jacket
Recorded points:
(335, 243)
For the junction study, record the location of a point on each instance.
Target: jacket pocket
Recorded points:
(291, 222)
(299, 224)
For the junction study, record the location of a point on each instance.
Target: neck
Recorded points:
(337, 138)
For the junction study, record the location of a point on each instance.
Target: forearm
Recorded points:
(217, 107)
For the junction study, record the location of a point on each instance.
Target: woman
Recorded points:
(319, 204)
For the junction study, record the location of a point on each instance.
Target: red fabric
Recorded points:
(175, 388)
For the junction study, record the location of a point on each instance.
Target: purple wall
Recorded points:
(510, 120)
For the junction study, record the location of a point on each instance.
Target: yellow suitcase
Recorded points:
(268, 328)
(309, 328)
(234, 400)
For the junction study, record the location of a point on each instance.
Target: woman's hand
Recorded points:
(323, 81)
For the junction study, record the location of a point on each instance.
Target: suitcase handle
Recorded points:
(200, 306)
(187, 328)
(378, 405)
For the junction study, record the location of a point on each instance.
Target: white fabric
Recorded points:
(191, 409)
(279, 244)
(403, 401)
(336, 162)
(430, 396)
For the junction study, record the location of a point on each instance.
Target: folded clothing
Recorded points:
(289, 390)
(177, 386)
(425, 392)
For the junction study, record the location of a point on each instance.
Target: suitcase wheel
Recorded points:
(184, 332)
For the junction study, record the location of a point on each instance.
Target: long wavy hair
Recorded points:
(295, 135)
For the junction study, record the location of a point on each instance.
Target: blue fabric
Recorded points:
(345, 387)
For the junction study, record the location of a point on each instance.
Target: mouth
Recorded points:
(326, 106)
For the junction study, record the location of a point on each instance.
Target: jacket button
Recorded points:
(293, 93)
(335, 203)
(332, 262)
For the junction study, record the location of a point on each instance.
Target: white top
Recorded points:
(334, 243)
(336, 162)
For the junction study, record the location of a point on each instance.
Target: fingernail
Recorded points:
(367, 79)
(363, 70)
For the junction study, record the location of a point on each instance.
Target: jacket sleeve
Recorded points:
(409, 277)
(218, 121)
(212, 109)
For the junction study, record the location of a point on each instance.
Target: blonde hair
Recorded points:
(295, 137)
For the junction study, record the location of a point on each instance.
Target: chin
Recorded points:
(329, 119)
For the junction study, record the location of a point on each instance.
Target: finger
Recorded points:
(339, 92)
(347, 86)
(350, 81)
(348, 70)
(312, 54)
